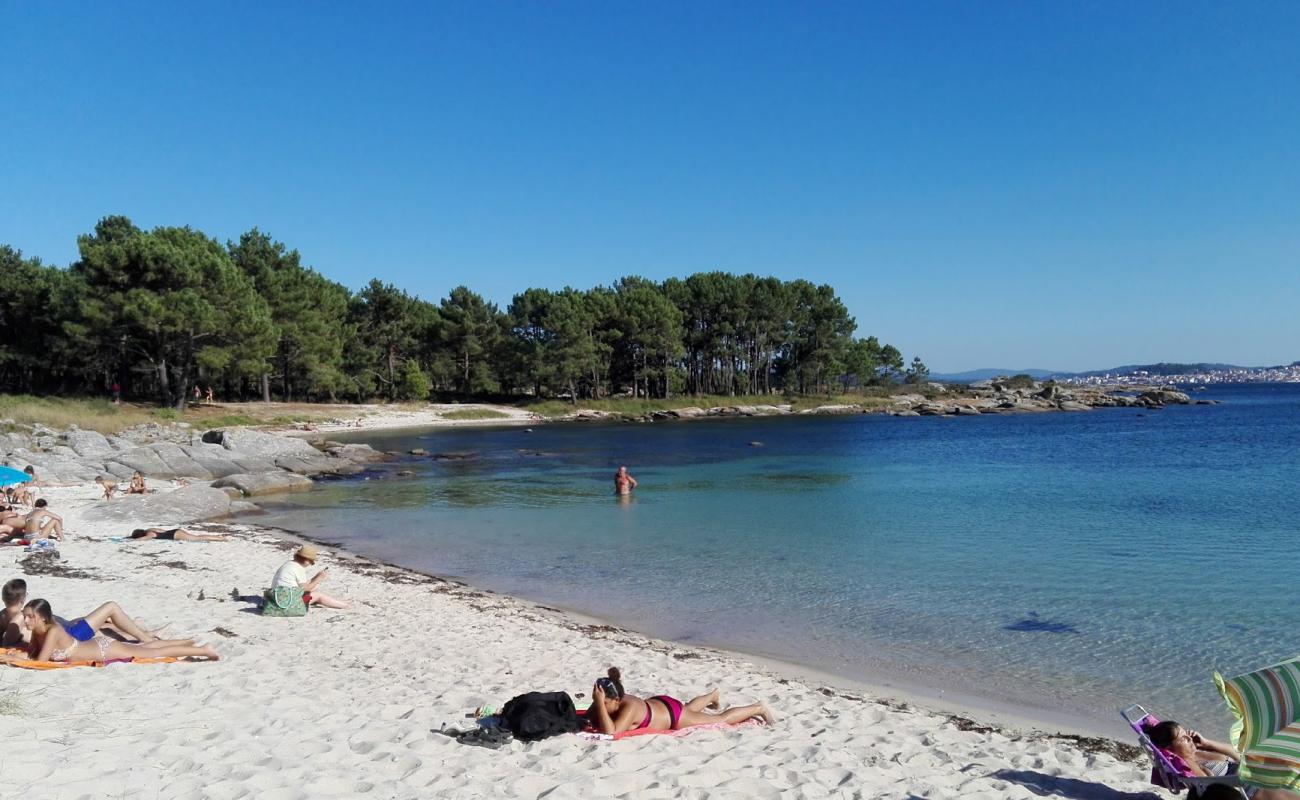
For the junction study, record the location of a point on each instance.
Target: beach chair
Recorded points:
(1164, 772)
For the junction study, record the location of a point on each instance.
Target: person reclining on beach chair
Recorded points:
(107, 618)
(52, 643)
(1183, 759)
(614, 711)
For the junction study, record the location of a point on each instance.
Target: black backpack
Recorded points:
(540, 715)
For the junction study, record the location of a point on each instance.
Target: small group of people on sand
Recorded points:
(39, 523)
(24, 494)
(100, 636)
(109, 484)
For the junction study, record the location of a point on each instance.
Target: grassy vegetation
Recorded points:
(475, 413)
(56, 412)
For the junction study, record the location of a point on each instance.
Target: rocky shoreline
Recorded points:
(985, 397)
(217, 469)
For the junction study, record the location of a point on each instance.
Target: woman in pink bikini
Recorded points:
(614, 711)
(50, 642)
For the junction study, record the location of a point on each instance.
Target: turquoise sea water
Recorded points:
(1072, 562)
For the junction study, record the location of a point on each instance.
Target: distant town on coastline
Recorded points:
(1144, 374)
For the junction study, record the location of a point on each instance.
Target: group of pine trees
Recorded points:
(160, 311)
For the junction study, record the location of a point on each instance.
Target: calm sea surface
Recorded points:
(1075, 562)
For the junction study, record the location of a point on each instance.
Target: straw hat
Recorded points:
(306, 552)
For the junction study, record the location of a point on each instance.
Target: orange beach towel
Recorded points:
(23, 663)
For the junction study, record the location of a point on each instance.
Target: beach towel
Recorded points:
(593, 736)
(24, 663)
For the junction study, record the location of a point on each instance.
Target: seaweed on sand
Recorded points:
(47, 562)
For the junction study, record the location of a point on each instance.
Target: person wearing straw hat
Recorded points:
(293, 575)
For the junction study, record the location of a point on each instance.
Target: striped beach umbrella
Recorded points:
(1266, 704)
(9, 476)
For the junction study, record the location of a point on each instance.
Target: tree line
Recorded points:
(160, 311)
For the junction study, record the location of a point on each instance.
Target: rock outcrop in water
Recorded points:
(983, 397)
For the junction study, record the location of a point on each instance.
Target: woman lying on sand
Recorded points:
(107, 618)
(177, 534)
(614, 711)
(50, 642)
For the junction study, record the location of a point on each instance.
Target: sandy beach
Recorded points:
(351, 703)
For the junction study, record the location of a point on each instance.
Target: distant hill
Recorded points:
(985, 374)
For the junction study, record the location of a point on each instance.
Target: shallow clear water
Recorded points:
(1074, 562)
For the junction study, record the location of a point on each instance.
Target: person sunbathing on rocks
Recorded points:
(614, 711)
(107, 618)
(51, 643)
(177, 534)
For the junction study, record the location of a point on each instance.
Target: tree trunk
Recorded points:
(266, 387)
(392, 369)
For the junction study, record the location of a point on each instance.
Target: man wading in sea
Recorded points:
(623, 483)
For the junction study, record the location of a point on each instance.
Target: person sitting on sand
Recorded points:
(43, 523)
(51, 643)
(293, 575)
(614, 711)
(177, 534)
(137, 485)
(623, 482)
(108, 617)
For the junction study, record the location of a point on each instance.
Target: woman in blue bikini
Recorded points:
(50, 642)
(614, 711)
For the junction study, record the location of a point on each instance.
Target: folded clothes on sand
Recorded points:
(29, 664)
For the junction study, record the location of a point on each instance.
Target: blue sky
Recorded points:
(1053, 185)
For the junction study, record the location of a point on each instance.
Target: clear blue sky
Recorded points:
(1008, 184)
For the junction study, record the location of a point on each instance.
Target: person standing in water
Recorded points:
(623, 482)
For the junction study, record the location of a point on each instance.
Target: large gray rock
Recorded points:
(254, 485)
(1166, 396)
(318, 464)
(1073, 405)
(357, 453)
(143, 460)
(54, 469)
(90, 444)
(255, 444)
(179, 461)
(167, 508)
(10, 442)
(213, 458)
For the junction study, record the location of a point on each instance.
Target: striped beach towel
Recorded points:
(1266, 705)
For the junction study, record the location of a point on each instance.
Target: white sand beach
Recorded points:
(345, 704)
